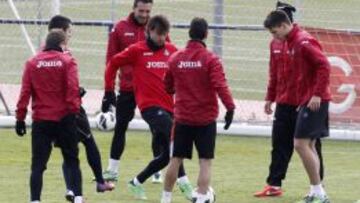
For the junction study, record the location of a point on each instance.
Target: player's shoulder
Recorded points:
(66, 58)
(121, 25)
(210, 55)
(177, 55)
(171, 47)
(306, 39)
(137, 46)
(30, 62)
(122, 22)
(276, 43)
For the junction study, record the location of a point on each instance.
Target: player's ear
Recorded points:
(206, 34)
(282, 25)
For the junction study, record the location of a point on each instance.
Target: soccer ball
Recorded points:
(210, 196)
(105, 121)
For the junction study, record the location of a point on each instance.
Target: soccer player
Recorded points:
(312, 72)
(126, 32)
(197, 78)
(281, 90)
(63, 23)
(148, 59)
(50, 79)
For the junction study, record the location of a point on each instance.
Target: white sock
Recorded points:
(113, 165)
(317, 190)
(136, 181)
(166, 196)
(35, 201)
(78, 199)
(183, 180)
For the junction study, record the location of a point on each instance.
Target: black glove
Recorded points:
(108, 100)
(82, 91)
(228, 119)
(20, 128)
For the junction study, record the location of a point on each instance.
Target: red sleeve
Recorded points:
(218, 81)
(126, 57)
(271, 88)
(169, 82)
(25, 93)
(72, 87)
(169, 78)
(113, 46)
(313, 53)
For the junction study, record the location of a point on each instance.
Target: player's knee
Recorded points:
(38, 168)
(165, 159)
(121, 126)
(300, 146)
(71, 161)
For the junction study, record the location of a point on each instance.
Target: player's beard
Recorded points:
(140, 20)
(153, 45)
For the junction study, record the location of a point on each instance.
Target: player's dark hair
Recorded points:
(60, 22)
(198, 29)
(142, 1)
(159, 23)
(287, 8)
(275, 19)
(54, 40)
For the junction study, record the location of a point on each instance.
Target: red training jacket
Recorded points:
(51, 80)
(196, 76)
(282, 83)
(124, 33)
(313, 67)
(149, 69)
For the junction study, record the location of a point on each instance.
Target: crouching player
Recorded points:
(196, 76)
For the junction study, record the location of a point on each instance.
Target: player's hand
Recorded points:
(108, 100)
(20, 128)
(82, 91)
(228, 119)
(267, 107)
(314, 103)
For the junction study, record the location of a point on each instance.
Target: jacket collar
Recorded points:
(292, 34)
(195, 44)
(53, 48)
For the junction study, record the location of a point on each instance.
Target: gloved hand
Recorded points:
(228, 119)
(20, 128)
(108, 100)
(82, 91)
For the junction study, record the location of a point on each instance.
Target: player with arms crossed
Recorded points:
(149, 62)
(312, 70)
(197, 78)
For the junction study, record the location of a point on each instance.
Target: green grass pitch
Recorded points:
(240, 168)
